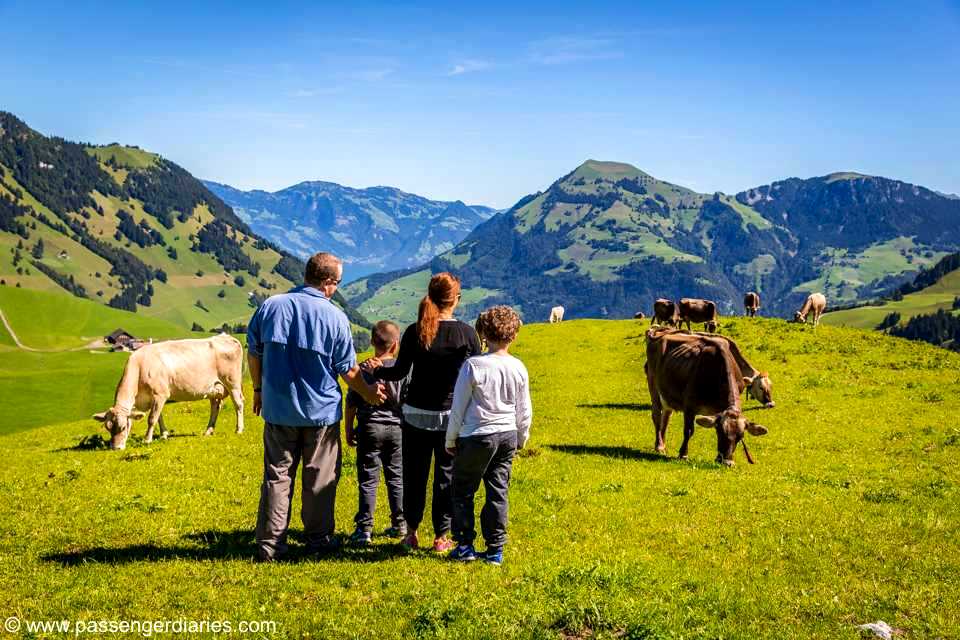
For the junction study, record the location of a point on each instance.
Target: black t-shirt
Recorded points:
(435, 369)
(387, 414)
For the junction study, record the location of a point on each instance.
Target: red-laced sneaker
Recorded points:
(410, 541)
(442, 545)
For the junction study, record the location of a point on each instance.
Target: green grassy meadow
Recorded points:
(851, 514)
(939, 295)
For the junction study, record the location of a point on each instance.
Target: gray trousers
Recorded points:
(379, 445)
(283, 448)
(489, 459)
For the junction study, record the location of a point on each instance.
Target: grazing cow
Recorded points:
(697, 374)
(816, 302)
(639, 315)
(751, 303)
(556, 314)
(664, 313)
(697, 310)
(758, 383)
(173, 371)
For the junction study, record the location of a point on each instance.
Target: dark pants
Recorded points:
(377, 446)
(488, 458)
(283, 448)
(419, 446)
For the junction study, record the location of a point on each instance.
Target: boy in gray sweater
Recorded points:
(377, 438)
(489, 421)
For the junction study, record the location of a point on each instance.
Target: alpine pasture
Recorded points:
(851, 514)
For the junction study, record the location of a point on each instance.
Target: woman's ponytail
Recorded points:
(428, 321)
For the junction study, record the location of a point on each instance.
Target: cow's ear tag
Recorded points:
(704, 421)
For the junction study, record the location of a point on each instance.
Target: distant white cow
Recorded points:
(174, 371)
(556, 314)
(815, 303)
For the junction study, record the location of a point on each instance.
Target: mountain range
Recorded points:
(607, 239)
(132, 230)
(373, 229)
(128, 228)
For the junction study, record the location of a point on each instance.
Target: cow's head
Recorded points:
(798, 317)
(760, 388)
(712, 326)
(118, 422)
(730, 426)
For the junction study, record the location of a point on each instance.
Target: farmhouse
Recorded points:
(120, 340)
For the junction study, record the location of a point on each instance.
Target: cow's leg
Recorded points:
(688, 426)
(656, 413)
(662, 432)
(237, 394)
(214, 412)
(164, 432)
(656, 409)
(155, 410)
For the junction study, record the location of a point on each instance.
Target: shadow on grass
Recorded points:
(96, 442)
(218, 545)
(622, 453)
(625, 406)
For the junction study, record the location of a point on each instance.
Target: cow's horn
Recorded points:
(747, 452)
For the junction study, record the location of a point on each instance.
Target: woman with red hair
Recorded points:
(434, 347)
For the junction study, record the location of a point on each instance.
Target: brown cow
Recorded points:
(698, 375)
(664, 313)
(751, 302)
(698, 310)
(816, 302)
(639, 315)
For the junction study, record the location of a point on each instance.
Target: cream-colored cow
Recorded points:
(556, 314)
(174, 371)
(816, 302)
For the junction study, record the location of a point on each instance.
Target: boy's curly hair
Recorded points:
(499, 324)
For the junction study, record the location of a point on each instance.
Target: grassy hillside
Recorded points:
(937, 296)
(56, 321)
(399, 299)
(850, 515)
(127, 228)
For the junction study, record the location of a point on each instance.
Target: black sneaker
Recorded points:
(396, 532)
(326, 545)
(360, 538)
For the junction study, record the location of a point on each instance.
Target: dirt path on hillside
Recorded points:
(20, 345)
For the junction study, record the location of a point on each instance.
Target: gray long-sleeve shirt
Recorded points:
(492, 394)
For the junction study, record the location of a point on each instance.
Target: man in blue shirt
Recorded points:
(298, 343)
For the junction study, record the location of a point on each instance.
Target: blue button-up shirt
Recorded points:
(304, 342)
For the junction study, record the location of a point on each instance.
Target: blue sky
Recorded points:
(489, 102)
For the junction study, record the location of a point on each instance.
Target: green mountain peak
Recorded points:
(592, 169)
(844, 175)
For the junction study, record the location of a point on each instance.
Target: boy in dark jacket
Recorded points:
(377, 438)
